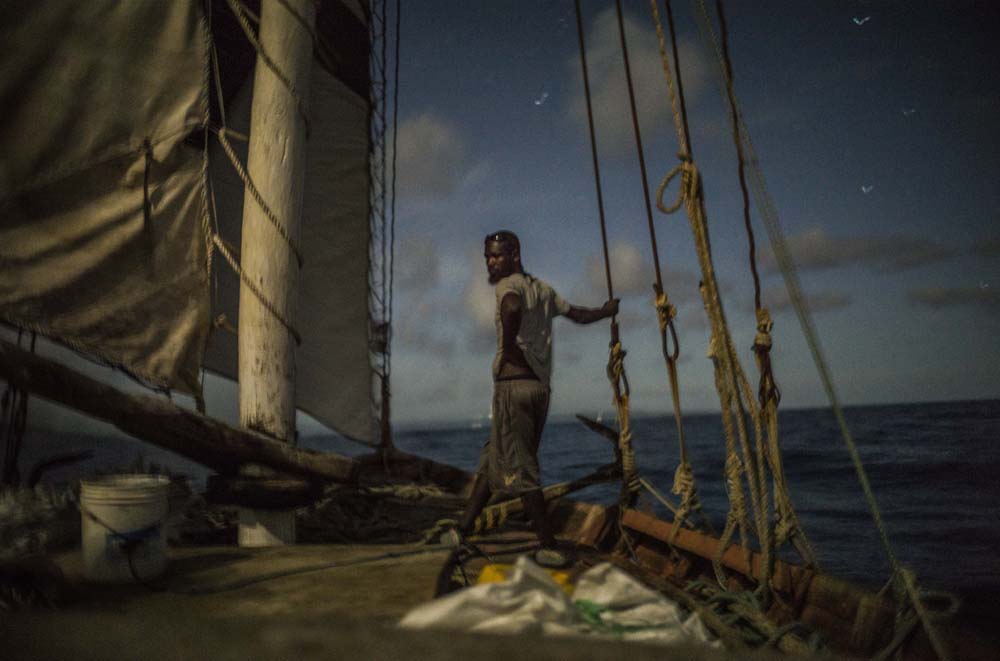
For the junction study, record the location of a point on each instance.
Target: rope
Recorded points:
(787, 524)
(910, 586)
(241, 15)
(220, 245)
(392, 194)
(783, 257)
(665, 311)
(13, 422)
(616, 356)
(727, 369)
(221, 133)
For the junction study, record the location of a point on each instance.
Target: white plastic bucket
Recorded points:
(122, 519)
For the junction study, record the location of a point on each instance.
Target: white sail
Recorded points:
(104, 244)
(103, 241)
(333, 370)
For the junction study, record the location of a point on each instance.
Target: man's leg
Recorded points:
(477, 501)
(534, 507)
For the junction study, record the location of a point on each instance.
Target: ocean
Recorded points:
(933, 468)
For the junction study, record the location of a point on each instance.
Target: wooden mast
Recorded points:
(276, 163)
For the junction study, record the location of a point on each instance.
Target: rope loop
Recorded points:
(690, 187)
(666, 311)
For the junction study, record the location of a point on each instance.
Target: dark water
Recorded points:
(934, 469)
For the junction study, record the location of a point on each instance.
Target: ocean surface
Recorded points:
(934, 468)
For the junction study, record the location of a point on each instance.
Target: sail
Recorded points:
(333, 368)
(103, 214)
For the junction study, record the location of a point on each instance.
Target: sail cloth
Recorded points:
(333, 369)
(102, 208)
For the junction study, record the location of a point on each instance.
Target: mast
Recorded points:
(276, 163)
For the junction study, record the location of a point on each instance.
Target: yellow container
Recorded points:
(497, 573)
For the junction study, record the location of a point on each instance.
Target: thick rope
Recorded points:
(223, 249)
(241, 15)
(786, 264)
(728, 372)
(616, 356)
(684, 482)
(222, 134)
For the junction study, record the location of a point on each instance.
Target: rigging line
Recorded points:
(383, 192)
(220, 245)
(241, 15)
(593, 153)
(686, 143)
(664, 310)
(256, 194)
(392, 197)
(737, 140)
(638, 143)
(789, 273)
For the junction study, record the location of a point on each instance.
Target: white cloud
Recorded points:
(778, 300)
(418, 266)
(633, 275)
(479, 299)
(815, 250)
(608, 89)
(431, 156)
(983, 297)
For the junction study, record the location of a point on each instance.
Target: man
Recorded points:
(508, 463)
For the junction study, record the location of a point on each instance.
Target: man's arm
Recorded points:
(590, 315)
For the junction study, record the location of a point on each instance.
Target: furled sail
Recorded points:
(110, 199)
(333, 369)
(103, 216)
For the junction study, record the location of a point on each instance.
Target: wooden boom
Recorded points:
(159, 421)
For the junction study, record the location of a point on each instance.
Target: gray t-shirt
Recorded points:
(539, 304)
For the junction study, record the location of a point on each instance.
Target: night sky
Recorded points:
(875, 126)
(873, 123)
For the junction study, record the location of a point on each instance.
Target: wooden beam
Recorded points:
(163, 423)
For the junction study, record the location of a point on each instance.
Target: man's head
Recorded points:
(503, 255)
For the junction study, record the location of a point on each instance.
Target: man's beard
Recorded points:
(494, 278)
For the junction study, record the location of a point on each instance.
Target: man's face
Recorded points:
(500, 261)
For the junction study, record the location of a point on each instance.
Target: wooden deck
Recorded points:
(214, 607)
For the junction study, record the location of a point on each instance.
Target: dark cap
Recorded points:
(506, 237)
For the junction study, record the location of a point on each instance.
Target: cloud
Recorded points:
(984, 298)
(608, 90)
(777, 300)
(418, 266)
(815, 250)
(987, 247)
(431, 156)
(633, 275)
(479, 299)
(416, 330)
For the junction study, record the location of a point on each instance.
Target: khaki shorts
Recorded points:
(510, 457)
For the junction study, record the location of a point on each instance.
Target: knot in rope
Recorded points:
(762, 341)
(784, 528)
(665, 310)
(690, 187)
(616, 363)
(683, 479)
